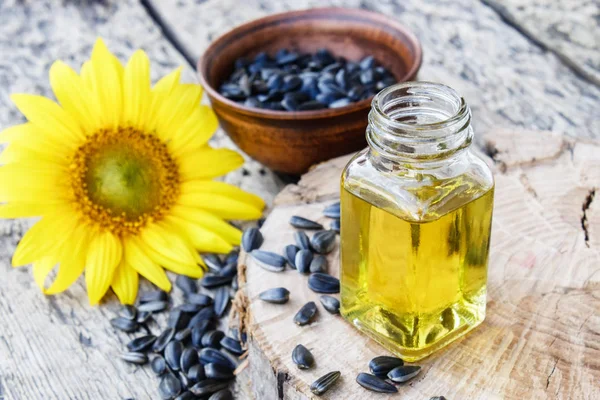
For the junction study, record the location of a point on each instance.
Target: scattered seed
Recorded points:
(218, 372)
(143, 317)
(306, 313)
(207, 313)
(437, 398)
(221, 301)
(186, 396)
(323, 283)
(208, 355)
(189, 308)
(234, 283)
(173, 353)
(208, 386)
(302, 240)
(330, 303)
(141, 344)
(154, 306)
(183, 334)
(332, 210)
(268, 260)
(199, 298)
(290, 254)
(158, 365)
(196, 373)
(186, 284)
(212, 339)
(382, 365)
(232, 257)
(375, 384)
(252, 239)
(276, 295)
(178, 319)
(169, 386)
(188, 359)
(232, 345)
(224, 394)
(128, 312)
(335, 225)
(304, 223)
(303, 261)
(212, 281)
(213, 262)
(229, 270)
(154, 295)
(124, 324)
(325, 382)
(318, 264)
(404, 373)
(323, 241)
(163, 340)
(135, 357)
(302, 357)
(198, 331)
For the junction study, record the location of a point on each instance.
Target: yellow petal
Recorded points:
(72, 260)
(104, 254)
(171, 246)
(41, 269)
(32, 137)
(32, 183)
(195, 132)
(166, 84)
(125, 283)
(202, 239)
(51, 118)
(74, 96)
(106, 83)
(209, 163)
(176, 109)
(209, 222)
(223, 189)
(87, 75)
(161, 91)
(221, 206)
(186, 266)
(136, 89)
(144, 265)
(24, 210)
(19, 152)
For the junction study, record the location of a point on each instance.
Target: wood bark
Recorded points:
(540, 338)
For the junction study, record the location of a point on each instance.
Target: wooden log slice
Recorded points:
(541, 338)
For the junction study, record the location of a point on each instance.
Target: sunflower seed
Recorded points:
(234, 283)
(143, 317)
(302, 357)
(154, 295)
(141, 344)
(221, 301)
(232, 257)
(404, 373)
(276, 295)
(323, 283)
(196, 373)
(304, 223)
(306, 313)
(124, 324)
(212, 281)
(169, 386)
(252, 239)
(212, 339)
(154, 306)
(189, 308)
(158, 365)
(207, 313)
(178, 319)
(185, 382)
(208, 355)
(213, 262)
(268, 260)
(325, 382)
(217, 371)
(224, 394)
(186, 396)
(232, 345)
(173, 353)
(302, 240)
(229, 270)
(382, 365)
(330, 303)
(163, 340)
(208, 386)
(323, 241)
(437, 398)
(128, 312)
(303, 260)
(135, 357)
(335, 225)
(186, 284)
(375, 384)
(198, 331)
(290, 254)
(318, 264)
(199, 298)
(189, 358)
(332, 210)
(183, 334)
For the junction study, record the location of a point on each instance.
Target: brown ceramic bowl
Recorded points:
(291, 142)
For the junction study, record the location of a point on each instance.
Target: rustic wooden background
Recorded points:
(531, 64)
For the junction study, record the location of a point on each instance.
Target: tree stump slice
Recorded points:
(542, 332)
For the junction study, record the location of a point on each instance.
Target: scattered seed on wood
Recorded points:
(325, 382)
(303, 260)
(330, 303)
(128, 312)
(332, 211)
(404, 373)
(198, 331)
(212, 339)
(229, 270)
(318, 264)
(302, 240)
(232, 345)
(186, 284)
(213, 262)
(189, 358)
(306, 313)
(268, 260)
(135, 357)
(218, 372)
(186, 396)
(177, 319)
(183, 334)
(154, 295)
(335, 225)
(169, 386)
(212, 281)
(141, 344)
(323, 283)
(158, 365)
(196, 373)
(375, 384)
(382, 365)
(302, 357)
(323, 242)
(232, 257)
(154, 306)
(208, 386)
(163, 340)
(437, 398)
(199, 298)
(290, 252)
(224, 394)
(173, 353)
(304, 223)
(124, 324)
(207, 313)
(221, 301)
(143, 317)
(208, 355)
(252, 239)
(276, 295)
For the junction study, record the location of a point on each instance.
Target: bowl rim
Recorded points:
(311, 114)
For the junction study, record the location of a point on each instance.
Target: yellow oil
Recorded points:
(415, 285)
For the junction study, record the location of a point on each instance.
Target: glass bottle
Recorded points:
(416, 221)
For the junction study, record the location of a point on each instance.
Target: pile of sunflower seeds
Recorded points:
(307, 256)
(191, 357)
(291, 81)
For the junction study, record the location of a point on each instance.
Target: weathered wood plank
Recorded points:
(571, 29)
(507, 80)
(59, 347)
(540, 338)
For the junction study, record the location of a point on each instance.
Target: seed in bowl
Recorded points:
(291, 81)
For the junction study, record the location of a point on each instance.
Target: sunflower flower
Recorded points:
(122, 177)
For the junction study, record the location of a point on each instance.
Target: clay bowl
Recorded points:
(291, 142)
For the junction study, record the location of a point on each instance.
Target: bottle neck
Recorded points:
(420, 124)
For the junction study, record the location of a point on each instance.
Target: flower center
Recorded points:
(122, 179)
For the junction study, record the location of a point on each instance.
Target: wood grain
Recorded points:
(540, 338)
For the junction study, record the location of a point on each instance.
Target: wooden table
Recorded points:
(520, 64)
